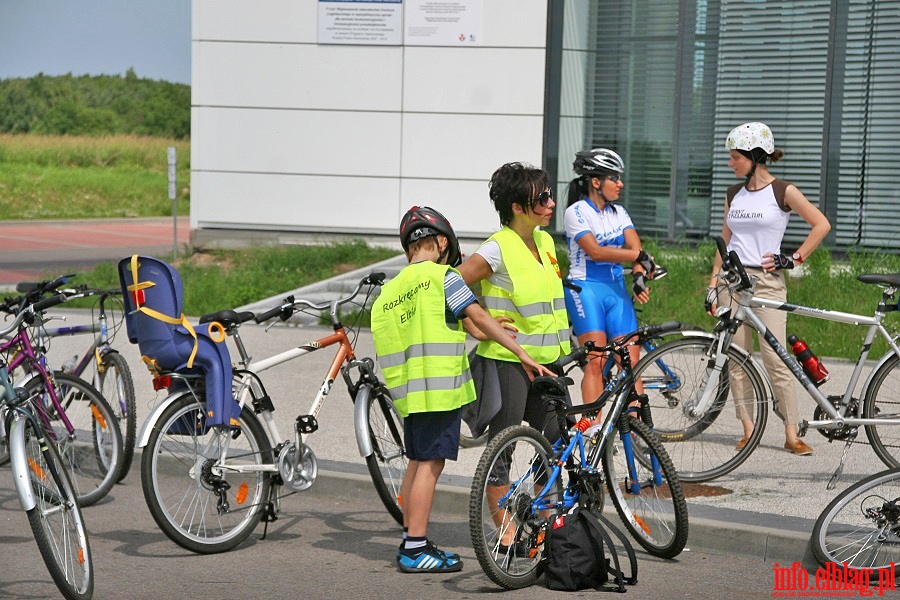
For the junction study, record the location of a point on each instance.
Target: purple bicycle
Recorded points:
(76, 417)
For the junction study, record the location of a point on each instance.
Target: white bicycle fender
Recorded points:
(153, 417)
(19, 464)
(360, 423)
(694, 333)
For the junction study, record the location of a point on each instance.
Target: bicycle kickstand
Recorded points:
(832, 483)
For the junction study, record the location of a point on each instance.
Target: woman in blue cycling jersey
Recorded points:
(601, 237)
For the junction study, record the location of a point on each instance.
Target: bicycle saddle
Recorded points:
(551, 387)
(892, 279)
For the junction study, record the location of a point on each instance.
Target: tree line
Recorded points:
(95, 105)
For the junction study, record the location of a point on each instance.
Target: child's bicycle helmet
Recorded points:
(422, 221)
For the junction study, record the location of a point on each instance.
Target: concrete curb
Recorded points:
(769, 544)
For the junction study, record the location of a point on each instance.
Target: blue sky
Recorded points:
(96, 37)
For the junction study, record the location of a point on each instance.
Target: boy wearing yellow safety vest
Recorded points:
(420, 344)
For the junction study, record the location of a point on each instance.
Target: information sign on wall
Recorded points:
(443, 23)
(365, 22)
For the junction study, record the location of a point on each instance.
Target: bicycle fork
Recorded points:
(712, 375)
(624, 427)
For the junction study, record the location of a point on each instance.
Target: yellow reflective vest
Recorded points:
(423, 360)
(536, 305)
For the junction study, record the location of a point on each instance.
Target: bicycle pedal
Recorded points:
(307, 424)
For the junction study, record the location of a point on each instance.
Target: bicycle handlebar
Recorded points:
(642, 333)
(26, 313)
(733, 268)
(291, 305)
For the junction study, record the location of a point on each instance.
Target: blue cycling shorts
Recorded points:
(601, 306)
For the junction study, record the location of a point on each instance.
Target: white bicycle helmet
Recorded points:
(749, 136)
(599, 161)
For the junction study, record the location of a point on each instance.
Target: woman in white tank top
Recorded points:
(756, 216)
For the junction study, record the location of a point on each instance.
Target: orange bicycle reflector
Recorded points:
(243, 490)
(98, 417)
(36, 468)
(80, 556)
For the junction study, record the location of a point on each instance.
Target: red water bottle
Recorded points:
(814, 368)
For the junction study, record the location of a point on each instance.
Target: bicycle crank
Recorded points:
(298, 470)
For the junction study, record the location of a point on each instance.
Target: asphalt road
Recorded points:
(322, 546)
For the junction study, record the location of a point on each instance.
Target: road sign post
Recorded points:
(174, 198)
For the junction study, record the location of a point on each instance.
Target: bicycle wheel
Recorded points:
(117, 387)
(202, 502)
(882, 401)
(387, 463)
(654, 513)
(56, 519)
(92, 453)
(513, 469)
(703, 447)
(861, 526)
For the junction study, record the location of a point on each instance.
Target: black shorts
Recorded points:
(432, 435)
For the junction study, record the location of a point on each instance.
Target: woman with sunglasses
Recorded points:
(601, 237)
(522, 288)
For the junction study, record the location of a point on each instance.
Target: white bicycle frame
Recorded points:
(249, 386)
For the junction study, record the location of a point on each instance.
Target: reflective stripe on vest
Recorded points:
(423, 361)
(536, 305)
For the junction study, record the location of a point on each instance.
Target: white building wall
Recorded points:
(291, 135)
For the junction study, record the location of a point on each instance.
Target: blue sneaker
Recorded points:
(429, 560)
(450, 555)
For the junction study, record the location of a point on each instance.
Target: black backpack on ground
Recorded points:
(575, 553)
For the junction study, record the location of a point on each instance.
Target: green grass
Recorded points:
(71, 177)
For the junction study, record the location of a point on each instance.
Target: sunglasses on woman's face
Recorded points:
(614, 178)
(544, 199)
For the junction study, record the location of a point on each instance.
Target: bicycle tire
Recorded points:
(467, 440)
(387, 463)
(56, 520)
(182, 502)
(519, 454)
(882, 401)
(117, 387)
(703, 447)
(657, 517)
(4, 446)
(92, 455)
(855, 529)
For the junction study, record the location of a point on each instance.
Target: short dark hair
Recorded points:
(515, 183)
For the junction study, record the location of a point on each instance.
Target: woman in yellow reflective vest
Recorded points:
(522, 288)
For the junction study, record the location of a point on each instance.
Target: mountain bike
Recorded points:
(102, 366)
(80, 421)
(697, 422)
(522, 481)
(208, 487)
(42, 482)
(861, 526)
